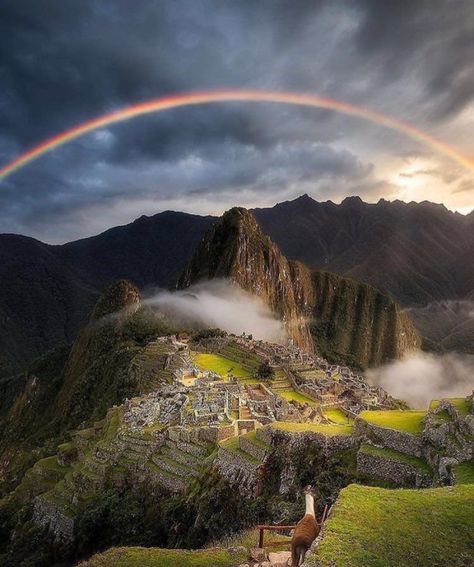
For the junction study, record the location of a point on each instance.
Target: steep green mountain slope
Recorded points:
(77, 385)
(341, 318)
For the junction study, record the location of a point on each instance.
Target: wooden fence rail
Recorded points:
(276, 528)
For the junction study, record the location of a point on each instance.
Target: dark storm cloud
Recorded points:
(63, 62)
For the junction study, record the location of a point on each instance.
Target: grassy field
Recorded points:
(415, 462)
(156, 557)
(377, 527)
(221, 364)
(464, 472)
(337, 416)
(461, 404)
(329, 430)
(403, 420)
(291, 395)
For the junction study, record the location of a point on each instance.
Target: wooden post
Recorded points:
(260, 540)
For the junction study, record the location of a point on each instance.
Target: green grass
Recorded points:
(220, 365)
(337, 416)
(415, 462)
(273, 541)
(329, 430)
(155, 557)
(292, 395)
(464, 472)
(408, 421)
(461, 404)
(377, 527)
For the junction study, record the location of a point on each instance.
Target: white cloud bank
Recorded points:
(219, 303)
(421, 377)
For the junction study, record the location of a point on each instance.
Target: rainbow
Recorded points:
(199, 98)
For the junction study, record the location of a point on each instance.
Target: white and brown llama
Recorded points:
(306, 531)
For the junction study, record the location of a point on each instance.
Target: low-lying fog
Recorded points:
(219, 303)
(421, 377)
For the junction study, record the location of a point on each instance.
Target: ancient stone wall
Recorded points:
(257, 451)
(49, 514)
(239, 472)
(392, 470)
(389, 438)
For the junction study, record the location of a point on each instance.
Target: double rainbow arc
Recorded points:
(207, 97)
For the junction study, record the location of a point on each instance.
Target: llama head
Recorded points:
(309, 490)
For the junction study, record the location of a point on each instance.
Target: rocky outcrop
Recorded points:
(338, 317)
(393, 468)
(447, 438)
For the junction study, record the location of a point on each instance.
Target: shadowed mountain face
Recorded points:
(343, 319)
(419, 253)
(47, 291)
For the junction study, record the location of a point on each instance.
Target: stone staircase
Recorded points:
(244, 412)
(281, 383)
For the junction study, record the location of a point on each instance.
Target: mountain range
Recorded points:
(421, 254)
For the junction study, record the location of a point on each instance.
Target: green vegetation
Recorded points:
(265, 371)
(292, 395)
(408, 421)
(376, 527)
(464, 472)
(155, 557)
(461, 404)
(337, 416)
(416, 462)
(221, 365)
(329, 430)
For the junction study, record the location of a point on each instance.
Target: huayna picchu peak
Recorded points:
(323, 312)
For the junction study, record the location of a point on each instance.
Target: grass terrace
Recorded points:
(378, 527)
(220, 364)
(292, 395)
(408, 421)
(416, 462)
(156, 557)
(337, 416)
(461, 404)
(329, 430)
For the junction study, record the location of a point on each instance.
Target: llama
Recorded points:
(305, 532)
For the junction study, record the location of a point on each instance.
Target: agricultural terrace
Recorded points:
(377, 527)
(292, 395)
(221, 365)
(407, 421)
(337, 416)
(329, 430)
(461, 404)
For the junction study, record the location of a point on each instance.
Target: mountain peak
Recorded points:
(117, 297)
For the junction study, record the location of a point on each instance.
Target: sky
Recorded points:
(63, 62)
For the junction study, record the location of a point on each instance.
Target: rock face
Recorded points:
(336, 316)
(236, 248)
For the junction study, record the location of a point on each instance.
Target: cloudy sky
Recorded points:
(63, 62)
